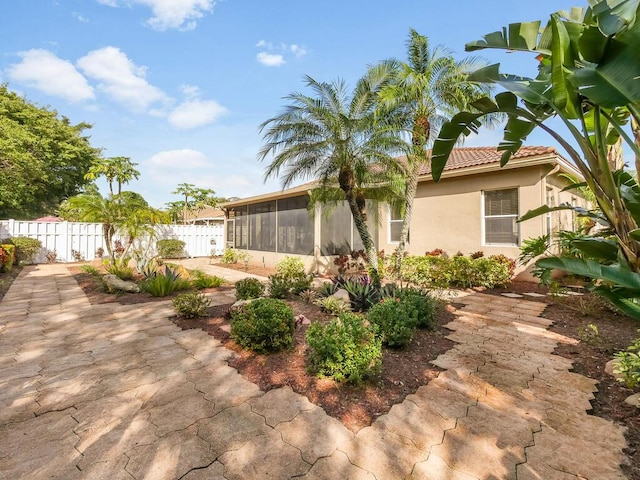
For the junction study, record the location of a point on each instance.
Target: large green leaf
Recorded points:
(614, 81)
(614, 15)
(597, 248)
(536, 212)
(518, 36)
(591, 269)
(628, 302)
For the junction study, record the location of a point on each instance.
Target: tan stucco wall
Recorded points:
(448, 214)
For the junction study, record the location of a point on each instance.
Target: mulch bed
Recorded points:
(404, 371)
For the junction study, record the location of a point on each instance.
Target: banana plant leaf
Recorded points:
(615, 274)
(518, 36)
(597, 248)
(623, 300)
(612, 17)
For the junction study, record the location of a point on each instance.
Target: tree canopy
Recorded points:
(43, 157)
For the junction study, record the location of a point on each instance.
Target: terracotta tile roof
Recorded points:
(475, 156)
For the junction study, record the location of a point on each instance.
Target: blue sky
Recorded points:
(180, 86)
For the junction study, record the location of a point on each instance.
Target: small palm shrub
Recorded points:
(309, 296)
(26, 249)
(191, 304)
(264, 325)
(249, 288)
(332, 305)
(396, 321)
(120, 268)
(91, 270)
(164, 283)
(200, 280)
(345, 349)
(170, 248)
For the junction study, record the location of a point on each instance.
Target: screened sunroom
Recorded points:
(269, 227)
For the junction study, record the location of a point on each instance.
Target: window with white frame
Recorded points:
(395, 224)
(500, 217)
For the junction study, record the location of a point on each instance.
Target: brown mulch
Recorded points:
(406, 370)
(403, 371)
(572, 316)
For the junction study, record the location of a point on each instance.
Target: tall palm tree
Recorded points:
(417, 97)
(120, 170)
(332, 136)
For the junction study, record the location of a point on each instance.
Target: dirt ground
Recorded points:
(600, 330)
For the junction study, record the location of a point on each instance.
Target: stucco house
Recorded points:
(473, 208)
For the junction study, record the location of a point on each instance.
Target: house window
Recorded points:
(395, 224)
(500, 217)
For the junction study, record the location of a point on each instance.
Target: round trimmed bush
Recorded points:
(264, 325)
(26, 249)
(249, 288)
(422, 304)
(396, 321)
(191, 304)
(346, 349)
(170, 248)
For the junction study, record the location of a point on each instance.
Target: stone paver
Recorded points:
(119, 392)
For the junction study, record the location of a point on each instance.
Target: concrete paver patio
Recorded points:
(111, 391)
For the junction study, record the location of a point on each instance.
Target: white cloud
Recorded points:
(79, 17)
(270, 59)
(195, 113)
(174, 160)
(190, 91)
(120, 78)
(264, 44)
(50, 74)
(297, 50)
(167, 14)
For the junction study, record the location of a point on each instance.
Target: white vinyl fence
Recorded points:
(65, 238)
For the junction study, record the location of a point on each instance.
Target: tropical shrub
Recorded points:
(170, 248)
(430, 271)
(327, 289)
(191, 304)
(309, 296)
(332, 305)
(396, 321)
(361, 293)
(231, 256)
(120, 268)
(7, 256)
(249, 288)
(200, 280)
(291, 267)
(629, 364)
(279, 286)
(161, 284)
(345, 349)
(423, 304)
(26, 249)
(264, 325)
(91, 270)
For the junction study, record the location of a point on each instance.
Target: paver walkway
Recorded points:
(110, 391)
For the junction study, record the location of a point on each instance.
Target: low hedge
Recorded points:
(170, 248)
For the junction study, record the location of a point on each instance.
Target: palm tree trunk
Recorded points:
(365, 236)
(410, 194)
(635, 128)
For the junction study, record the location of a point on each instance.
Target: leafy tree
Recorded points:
(43, 158)
(195, 199)
(332, 136)
(588, 79)
(417, 97)
(120, 170)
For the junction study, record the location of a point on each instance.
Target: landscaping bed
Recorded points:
(406, 370)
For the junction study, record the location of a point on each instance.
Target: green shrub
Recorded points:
(263, 325)
(309, 296)
(26, 249)
(396, 321)
(170, 248)
(231, 256)
(327, 289)
(200, 280)
(291, 267)
(120, 268)
(424, 306)
(279, 286)
(249, 288)
(332, 305)
(161, 284)
(91, 270)
(191, 304)
(629, 365)
(427, 272)
(345, 349)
